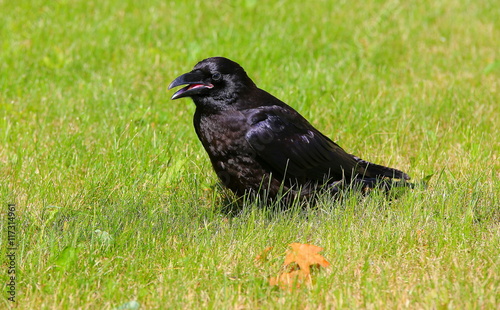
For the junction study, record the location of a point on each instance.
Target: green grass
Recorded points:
(89, 140)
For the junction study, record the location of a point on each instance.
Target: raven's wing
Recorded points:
(291, 146)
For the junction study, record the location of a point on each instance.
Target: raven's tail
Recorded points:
(366, 185)
(371, 170)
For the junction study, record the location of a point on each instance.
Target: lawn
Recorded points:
(112, 198)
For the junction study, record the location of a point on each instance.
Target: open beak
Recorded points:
(194, 82)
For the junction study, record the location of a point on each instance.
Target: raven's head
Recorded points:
(215, 82)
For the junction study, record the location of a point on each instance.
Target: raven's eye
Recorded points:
(216, 76)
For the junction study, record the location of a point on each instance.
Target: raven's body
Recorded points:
(233, 159)
(257, 143)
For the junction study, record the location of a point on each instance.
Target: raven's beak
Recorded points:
(195, 84)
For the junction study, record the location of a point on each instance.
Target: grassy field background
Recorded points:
(114, 194)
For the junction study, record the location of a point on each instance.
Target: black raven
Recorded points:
(259, 144)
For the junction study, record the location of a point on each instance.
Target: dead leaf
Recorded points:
(298, 263)
(305, 255)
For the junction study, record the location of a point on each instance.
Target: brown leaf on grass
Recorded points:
(305, 255)
(298, 262)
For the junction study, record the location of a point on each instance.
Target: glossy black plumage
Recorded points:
(257, 143)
